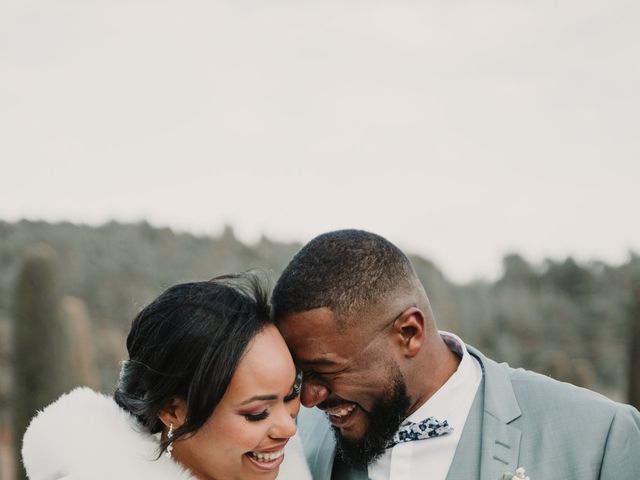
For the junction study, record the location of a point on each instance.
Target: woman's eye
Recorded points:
(256, 417)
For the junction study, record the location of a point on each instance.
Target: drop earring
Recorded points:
(169, 449)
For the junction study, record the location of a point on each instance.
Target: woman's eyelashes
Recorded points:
(295, 393)
(256, 417)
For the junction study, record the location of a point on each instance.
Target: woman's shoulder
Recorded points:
(85, 434)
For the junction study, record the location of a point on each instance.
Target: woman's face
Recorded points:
(245, 436)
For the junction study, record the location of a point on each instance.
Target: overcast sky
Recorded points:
(459, 129)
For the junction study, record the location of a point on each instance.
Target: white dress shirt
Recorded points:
(431, 458)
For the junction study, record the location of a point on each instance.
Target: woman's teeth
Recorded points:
(266, 457)
(342, 411)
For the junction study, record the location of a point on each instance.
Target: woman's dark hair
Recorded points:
(187, 343)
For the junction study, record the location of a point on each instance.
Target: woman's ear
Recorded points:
(409, 328)
(174, 412)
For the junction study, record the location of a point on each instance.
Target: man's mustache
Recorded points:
(336, 402)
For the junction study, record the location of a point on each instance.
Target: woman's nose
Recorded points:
(313, 393)
(286, 423)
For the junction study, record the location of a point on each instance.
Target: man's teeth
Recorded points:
(341, 411)
(267, 457)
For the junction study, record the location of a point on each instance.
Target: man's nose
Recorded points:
(313, 393)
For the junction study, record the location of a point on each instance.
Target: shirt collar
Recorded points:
(443, 404)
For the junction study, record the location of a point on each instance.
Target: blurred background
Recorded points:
(144, 143)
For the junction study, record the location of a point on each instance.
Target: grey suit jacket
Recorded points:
(518, 419)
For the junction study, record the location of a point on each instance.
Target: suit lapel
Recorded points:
(500, 444)
(500, 448)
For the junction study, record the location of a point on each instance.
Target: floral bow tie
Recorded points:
(428, 428)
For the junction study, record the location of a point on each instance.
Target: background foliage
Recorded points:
(577, 322)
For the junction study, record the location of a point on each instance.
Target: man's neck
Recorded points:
(432, 370)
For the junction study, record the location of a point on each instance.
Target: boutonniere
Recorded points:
(519, 475)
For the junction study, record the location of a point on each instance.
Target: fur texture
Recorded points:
(86, 435)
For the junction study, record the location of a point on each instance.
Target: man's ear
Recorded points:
(174, 412)
(409, 330)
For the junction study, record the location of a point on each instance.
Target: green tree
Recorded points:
(39, 359)
(517, 272)
(82, 368)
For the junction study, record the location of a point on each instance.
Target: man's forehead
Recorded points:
(316, 351)
(311, 326)
(321, 316)
(313, 336)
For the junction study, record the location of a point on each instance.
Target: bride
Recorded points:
(209, 392)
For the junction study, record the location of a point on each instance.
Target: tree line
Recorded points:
(68, 293)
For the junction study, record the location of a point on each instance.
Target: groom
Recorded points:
(397, 399)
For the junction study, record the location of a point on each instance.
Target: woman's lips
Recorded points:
(267, 459)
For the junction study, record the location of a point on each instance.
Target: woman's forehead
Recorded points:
(266, 363)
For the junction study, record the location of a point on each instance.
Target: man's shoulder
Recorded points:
(550, 398)
(561, 398)
(530, 384)
(564, 427)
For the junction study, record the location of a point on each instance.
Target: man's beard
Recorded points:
(384, 420)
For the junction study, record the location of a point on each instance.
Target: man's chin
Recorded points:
(351, 449)
(358, 451)
(360, 443)
(365, 437)
(349, 435)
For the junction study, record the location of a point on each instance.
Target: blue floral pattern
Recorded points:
(428, 428)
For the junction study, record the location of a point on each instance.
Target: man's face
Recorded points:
(352, 375)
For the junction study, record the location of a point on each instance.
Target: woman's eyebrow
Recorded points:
(261, 398)
(264, 398)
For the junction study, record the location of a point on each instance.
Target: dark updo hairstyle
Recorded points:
(187, 343)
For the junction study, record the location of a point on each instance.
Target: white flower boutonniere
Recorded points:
(518, 475)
